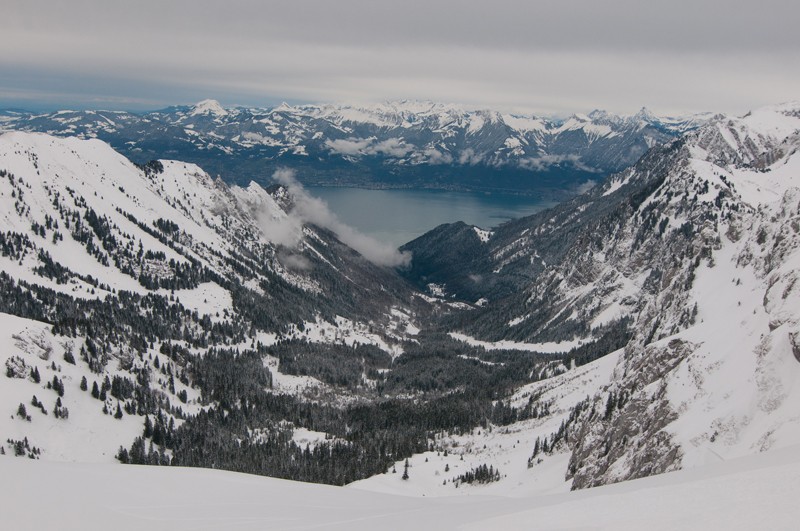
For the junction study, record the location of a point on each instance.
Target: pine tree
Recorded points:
(58, 386)
(84, 384)
(118, 414)
(122, 455)
(95, 391)
(405, 471)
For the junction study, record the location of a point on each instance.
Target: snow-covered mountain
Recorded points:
(646, 326)
(687, 264)
(153, 314)
(126, 280)
(396, 144)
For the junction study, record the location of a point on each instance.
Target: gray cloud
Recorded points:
(468, 156)
(309, 209)
(545, 56)
(585, 187)
(542, 163)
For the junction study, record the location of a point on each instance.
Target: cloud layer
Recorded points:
(546, 56)
(308, 209)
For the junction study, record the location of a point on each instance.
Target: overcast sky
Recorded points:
(547, 57)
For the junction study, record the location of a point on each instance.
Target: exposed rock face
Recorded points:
(629, 440)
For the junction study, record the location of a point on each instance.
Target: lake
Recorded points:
(399, 216)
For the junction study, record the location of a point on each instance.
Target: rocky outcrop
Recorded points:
(624, 438)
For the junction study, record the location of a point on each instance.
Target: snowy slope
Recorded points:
(86, 435)
(673, 284)
(722, 383)
(754, 493)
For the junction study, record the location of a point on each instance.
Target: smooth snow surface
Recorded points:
(754, 493)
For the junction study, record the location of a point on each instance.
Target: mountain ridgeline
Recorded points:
(392, 145)
(649, 324)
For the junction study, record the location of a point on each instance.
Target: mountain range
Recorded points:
(157, 315)
(399, 144)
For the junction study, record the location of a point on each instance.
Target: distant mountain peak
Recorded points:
(598, 114)
(208, 106)
(646, 115)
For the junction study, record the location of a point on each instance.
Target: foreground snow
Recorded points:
(758, 492)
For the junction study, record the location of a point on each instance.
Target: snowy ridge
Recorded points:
(208, 107)
(717, 391)
(666, 297)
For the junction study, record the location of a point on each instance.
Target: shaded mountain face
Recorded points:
(644, 230)
(399, 144)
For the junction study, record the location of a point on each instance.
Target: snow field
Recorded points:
(758, 492)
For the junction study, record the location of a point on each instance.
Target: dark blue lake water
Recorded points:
(399, 216)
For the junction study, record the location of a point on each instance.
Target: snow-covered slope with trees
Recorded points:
(121, 280)
(156, 315)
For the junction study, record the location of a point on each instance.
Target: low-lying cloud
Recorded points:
(391, 147)
(308, 209)
(294, 262)
(544, 162)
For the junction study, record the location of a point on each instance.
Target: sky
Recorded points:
(546, 57)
